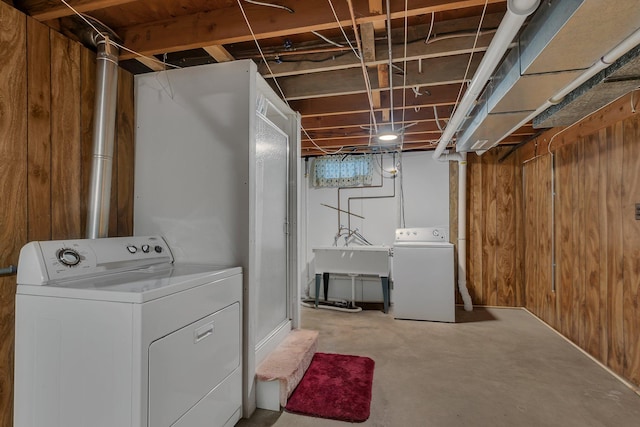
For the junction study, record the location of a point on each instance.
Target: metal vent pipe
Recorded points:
(104, 119)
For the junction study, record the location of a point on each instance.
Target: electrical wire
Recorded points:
(365, 73)
(458, 34)
(284, 98)
(277, 6)
(315, 61)
(317, 34)
(435, 115)
(335, 15)
(113, 42)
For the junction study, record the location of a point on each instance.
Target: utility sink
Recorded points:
(352, 260)
(370, 260)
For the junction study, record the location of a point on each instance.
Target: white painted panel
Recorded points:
(192, 161)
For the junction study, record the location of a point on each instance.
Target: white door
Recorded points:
(272, 146)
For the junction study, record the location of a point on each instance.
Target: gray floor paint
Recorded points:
(494, 367)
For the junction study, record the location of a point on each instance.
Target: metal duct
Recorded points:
(103, 138)
(620, 78)
(563, 39)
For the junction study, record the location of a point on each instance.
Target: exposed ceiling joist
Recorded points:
(154, 65)
(356, 120)
(320, 75)
(47, 10)
(219, 53)
(419, 50)
(442, 71)
(339, 105)
(225, 26)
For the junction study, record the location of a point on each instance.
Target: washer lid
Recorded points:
(422, 245)
(135, 286)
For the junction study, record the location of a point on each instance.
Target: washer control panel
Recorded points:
(44, 262)
(422, 234)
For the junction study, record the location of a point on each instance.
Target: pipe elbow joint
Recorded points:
(522, 7)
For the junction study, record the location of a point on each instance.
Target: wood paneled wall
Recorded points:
(596, 303)
(494, 222)
(514, 232)
(47, 89)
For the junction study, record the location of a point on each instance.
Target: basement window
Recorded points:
(343, 171)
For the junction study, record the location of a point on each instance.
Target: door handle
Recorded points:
(203, 332)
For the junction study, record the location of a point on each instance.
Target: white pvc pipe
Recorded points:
(609, 58)
(517, 12)
(462, 232)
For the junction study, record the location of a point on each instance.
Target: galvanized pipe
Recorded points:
(104, 119)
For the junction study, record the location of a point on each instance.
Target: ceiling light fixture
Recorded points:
(388, 136)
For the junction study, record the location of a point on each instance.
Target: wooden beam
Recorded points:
(375, 98)
(362, 119)
(427, 141)
(368, 39)
(339, 105)
(364, 140)
(219, 53)
(416, 50)
(47, 10)
(375, 7)
(446, 70)
(383, 82)
(427, 126)
(154, 65)
(225, 26)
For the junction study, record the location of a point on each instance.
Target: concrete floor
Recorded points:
(494, 367)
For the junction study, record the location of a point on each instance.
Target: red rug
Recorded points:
(335, 386)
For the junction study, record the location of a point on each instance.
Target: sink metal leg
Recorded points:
(353, 290)
(325, 281)
(317, 289)
(385, 292)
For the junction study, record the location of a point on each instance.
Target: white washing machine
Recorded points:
(423, 281)
(109, 332)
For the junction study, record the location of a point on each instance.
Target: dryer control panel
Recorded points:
(422, 234)
(48, 261)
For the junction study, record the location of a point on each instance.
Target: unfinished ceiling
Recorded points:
(307, 51)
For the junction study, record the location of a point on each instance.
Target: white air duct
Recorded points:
(103, 138)
(517, 12)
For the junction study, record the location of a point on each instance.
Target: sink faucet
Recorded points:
(342, 230)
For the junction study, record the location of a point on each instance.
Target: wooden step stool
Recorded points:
(279, 374)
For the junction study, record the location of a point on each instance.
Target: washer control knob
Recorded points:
(436, 233)
(132, 249)
(158, 249)
(68, 257)
(145, 249)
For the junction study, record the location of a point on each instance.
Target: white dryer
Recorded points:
(109, 332)
(423, 282)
